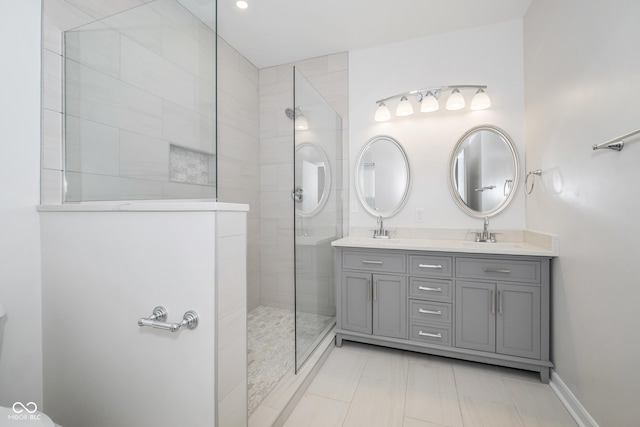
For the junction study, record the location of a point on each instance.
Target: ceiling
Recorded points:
(274, 32)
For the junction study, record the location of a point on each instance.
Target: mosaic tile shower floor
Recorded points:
(271, 343)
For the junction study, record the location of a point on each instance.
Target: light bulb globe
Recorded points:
(429, 104)
(404, 107)
(481, 101)
(455, 101)
(382, 113)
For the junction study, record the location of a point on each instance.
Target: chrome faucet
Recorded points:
(380, 233)
(486, 236)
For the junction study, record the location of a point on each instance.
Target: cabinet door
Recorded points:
(356, 302)
(390, 306)
(518, 320)
(475, 316)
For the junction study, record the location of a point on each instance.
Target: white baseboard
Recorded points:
(571, 402)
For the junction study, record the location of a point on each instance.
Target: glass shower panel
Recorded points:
(140, 104)
(318, 207)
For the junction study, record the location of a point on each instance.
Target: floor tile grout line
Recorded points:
(455, 381)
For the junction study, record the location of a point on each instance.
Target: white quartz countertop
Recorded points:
(541, 247)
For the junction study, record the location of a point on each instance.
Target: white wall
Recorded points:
(21, 346)
(581, 68)
(489, 56)
(102, 271)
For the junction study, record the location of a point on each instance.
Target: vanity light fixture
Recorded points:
(428, 100)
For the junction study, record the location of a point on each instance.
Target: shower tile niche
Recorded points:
(190, 166)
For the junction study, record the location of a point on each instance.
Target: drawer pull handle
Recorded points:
(424, 288)
(423, 311)
(438, 266)
(427, 334)
(496, 270)
(364, 261)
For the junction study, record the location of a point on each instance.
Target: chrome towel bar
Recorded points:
(616, 144)
(159, 316)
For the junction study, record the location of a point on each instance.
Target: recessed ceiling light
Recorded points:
(242, 4)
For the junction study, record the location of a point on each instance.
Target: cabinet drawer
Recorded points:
(438, 266)
(427, 311)
(432, 334)
(498, 270)
(372, 261)
(431, 289)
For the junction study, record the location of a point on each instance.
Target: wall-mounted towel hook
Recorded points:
(532, 175)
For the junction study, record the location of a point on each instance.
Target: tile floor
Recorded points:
(363, 385)
(271, 343)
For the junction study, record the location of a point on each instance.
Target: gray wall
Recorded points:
(581, 81)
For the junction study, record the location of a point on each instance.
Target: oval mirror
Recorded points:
(382, 176)
(484, 171)
(312, 180)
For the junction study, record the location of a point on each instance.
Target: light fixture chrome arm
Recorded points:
(616, 144)
(436, 91)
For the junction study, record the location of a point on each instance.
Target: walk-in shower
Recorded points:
(298, 301)
(150, 113)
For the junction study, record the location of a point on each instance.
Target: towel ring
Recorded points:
(531, 174)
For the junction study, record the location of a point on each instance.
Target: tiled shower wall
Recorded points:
(157, 55)
(329, 75)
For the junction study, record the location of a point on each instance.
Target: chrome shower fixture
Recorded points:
(428, 100)
(300, 122)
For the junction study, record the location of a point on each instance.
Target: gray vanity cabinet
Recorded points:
(498, 317)
(374, 304)
(480, 307)
(356, 308)
(389, 306)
